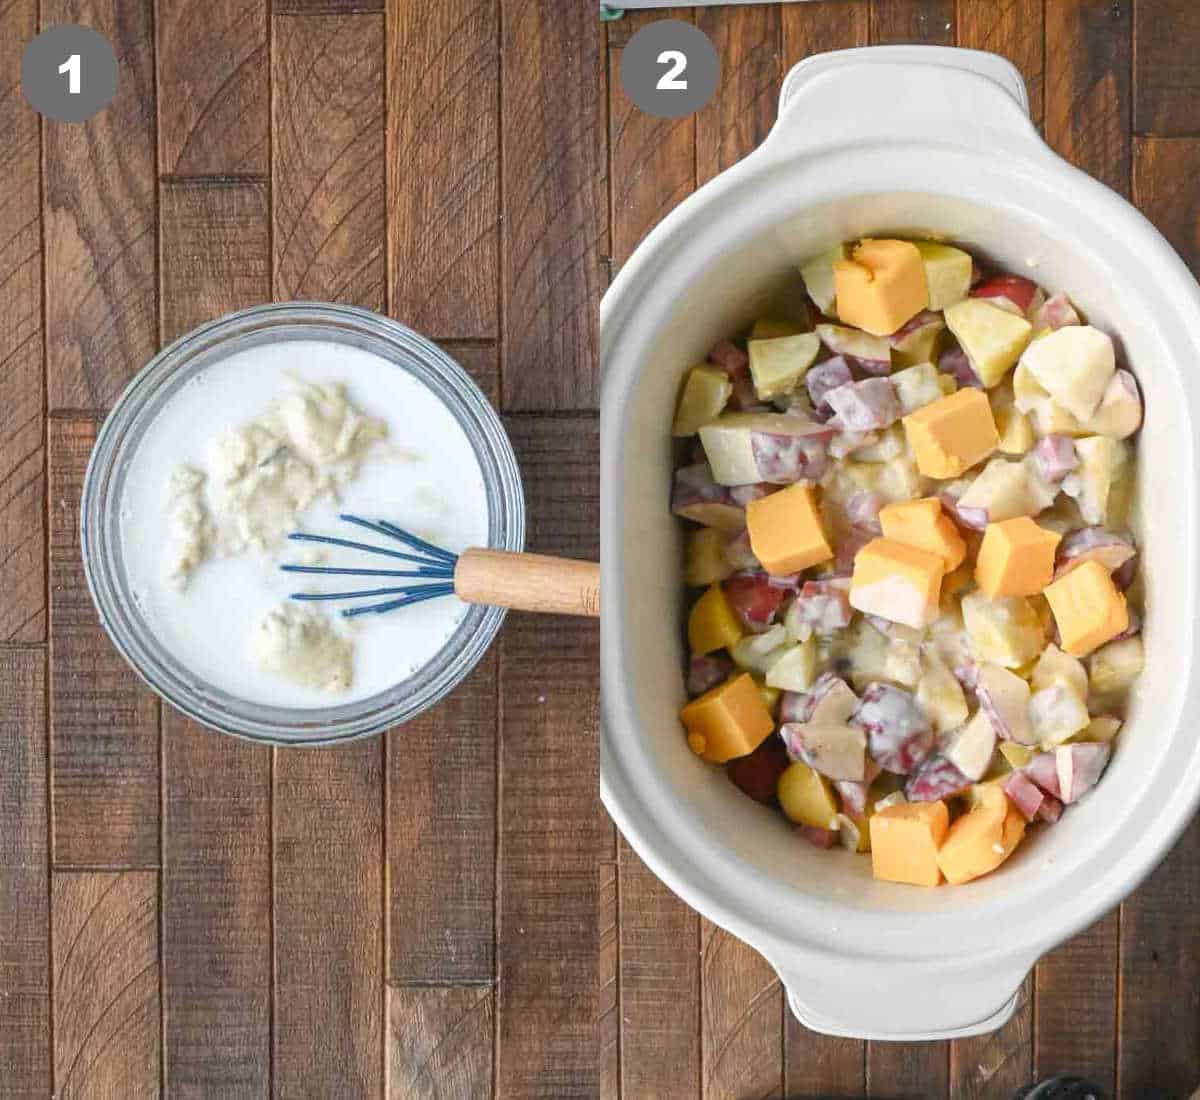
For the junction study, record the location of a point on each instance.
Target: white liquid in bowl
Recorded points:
(425, 478)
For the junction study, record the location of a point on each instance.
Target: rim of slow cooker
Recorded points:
(720, 888)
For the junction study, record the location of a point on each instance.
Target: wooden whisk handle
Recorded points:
(529, 582)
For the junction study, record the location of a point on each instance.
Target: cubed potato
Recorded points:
(905, 839)
(1016, 432)
(777, 366)
(705, 392)
(947, 271)
(729, 721)
(713, 624)
(992, 338)
(1006, 631)
(818, 278)
(706, 562)
(1115, 666)
(806, 796)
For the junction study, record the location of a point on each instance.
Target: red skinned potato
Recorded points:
(1056, 312)
(971, 748)
(1110, 548)
(862, 511)
(697, 497)
(871, 354)
(754, 599)
(818, 838)
(1054, 456)
(757, 775)
(1079, 768)
(1043, 770)
(732, 359)
(823, 606)
(1026, 795)
(934, 780)
(786, 459)
(900, 735)
(836, 751)
(705, 673)
(854, 794)
(1004, 698)
(865, 406)
(954, 362)
(1017, 290)
(823, 378)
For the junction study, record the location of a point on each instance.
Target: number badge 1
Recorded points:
(69, 73)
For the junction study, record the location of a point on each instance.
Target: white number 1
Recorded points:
(669, 81)
(71, 68)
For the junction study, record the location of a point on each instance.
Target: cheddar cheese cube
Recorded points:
(1016, 558)
(897, 582)
(785, 530)
(920, 523)
(713, 624)
(979, 841)
(881, 287)
(953, 434)
(1088, 608)
(905, 840)
(729, 721)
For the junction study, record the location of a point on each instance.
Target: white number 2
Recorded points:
(71, 68)
(669, 81)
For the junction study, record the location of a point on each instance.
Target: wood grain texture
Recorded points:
(480, 361)
(930, 22)
(212, 65)
(820, 26)
(660, 986)
(1166, 83)
(22, 432)
(1014, 29)
(736, 120)
(1160, 978)
(443, 150)
(24, 890)
(995, 1066)
(104, 725)
(653, 159)
(608, 964)
(106, 994)
(442, 819)
(555, 217)
(99, 210)
(903, 1070)
(1087, 86)
(216, 897)
(326, 7)
(215, 251)
(328, 195)
(440, 1042)
(1076, 1005)
(552, 826)
(1164, 175)
(329, 921)
(741, 1019)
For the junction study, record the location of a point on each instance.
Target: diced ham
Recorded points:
(818, 838)
(865, 406)
(824, 377)
(754, 599)
(954, 362)
(1055, 457)
(899, 733)
(784, 459)
(1017, 290)
(825, 605)
(1026, 795)
(936, 779)
(705, 673)
(1043, 770)
(1057, 312)
(758, 774)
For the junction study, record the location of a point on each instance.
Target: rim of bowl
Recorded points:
(137, 407)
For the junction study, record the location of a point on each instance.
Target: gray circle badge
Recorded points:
(68, 73)
(670, 68)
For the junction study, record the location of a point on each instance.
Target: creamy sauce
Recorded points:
(272, 440)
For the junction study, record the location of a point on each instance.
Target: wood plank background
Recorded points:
(688, 1011)
(182, 914)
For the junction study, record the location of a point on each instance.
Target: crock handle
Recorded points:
(928, 92)
(867, 1000)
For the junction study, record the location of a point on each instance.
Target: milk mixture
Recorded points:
(282, 438)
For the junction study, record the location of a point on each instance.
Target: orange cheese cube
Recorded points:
(1016, 558)
(920, 523)
(979, 841)
(713, 624)
(905, 840)
(785, 530)
(729, 721)
(882, 287)
(897, 582)
(951, 435)
(1087, 607)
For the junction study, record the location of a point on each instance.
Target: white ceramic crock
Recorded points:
(910, 141)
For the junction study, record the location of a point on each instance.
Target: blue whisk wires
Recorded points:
(432, 569)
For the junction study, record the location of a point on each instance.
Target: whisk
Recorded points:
(501, 578)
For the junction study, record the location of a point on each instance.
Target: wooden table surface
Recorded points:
(689, 1011)
(186, 914)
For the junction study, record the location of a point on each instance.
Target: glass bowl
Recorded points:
(100, 535)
